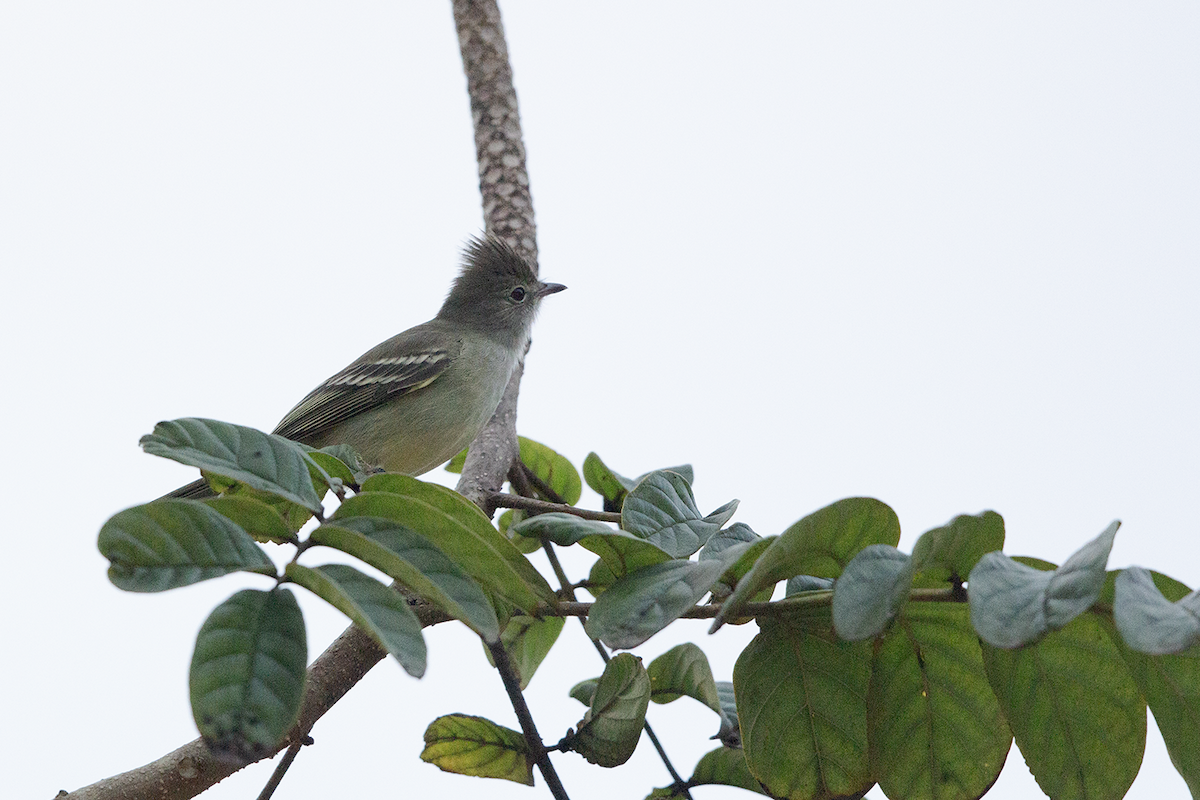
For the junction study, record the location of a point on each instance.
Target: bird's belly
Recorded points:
(425, 428)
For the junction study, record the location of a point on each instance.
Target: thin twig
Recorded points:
(522, 484)
(543, 488)
(533, 739)
(281, 769)
(502, 500)
(774, 608)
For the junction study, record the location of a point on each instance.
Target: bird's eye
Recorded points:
(517, 294)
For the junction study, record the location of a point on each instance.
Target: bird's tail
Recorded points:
(196, 490)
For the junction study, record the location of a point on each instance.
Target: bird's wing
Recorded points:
(405, 363)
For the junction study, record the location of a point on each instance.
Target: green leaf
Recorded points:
(621, 552)
(459, 529)
(954, 549)
(505, 524)
(1150, 623)
(377, 609)
(331, 468)
(642, 603)
(349, 458)
(730, 734)
(733, 574)
(171, 543)
(260, 460)
(605, 482)
(561, 528)
(528, 641)
(804, 722)
(554, 470)
(683, 670)
(584, 691)
(468, 745)
(1171, 686)
(247, 674)
(609, 731)
(725, 766)
(820, 545)
(255, 517)
(870, 592)
(1074, 710)
(806, 583)
(737, 533)
(1013, 604)
(456, 464)
(416, 563)
(662, 510)
(936, 730)
(294, 516)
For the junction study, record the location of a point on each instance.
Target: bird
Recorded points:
(415, 400)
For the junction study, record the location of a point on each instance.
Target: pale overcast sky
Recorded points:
(942, 254)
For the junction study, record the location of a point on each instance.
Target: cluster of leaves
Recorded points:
(876, 666)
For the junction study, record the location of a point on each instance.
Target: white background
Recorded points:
(941, 254)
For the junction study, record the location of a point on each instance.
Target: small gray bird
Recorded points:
(414, 401)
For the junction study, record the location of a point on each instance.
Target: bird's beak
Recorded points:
(549, 288)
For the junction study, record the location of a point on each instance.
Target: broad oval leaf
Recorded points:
(253, 516)
(936, 730)
(379, 610)
(609, 731)
(1013, 604)
(552, 469)
(1008, 601)
(561, 528)
(505, 524)
(477, 746)
(1171, 686)
(801, 695)
(870, 591)
(1150, 623)
(820, 545)
(621, 552)
(528, 641)
(605, 482)
(1079, 581)
(247, 674)
(683, 670)
(585, 690)
(171, 543)
(954, 549)
(642, 603)
(731, 737)
(725, 766)
(459, 529)
(332, 469)
(806, 583)
(751, 551)
(737, 533)
(1074, 710)
(662, 510)
(260, 460)
(416, 563)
